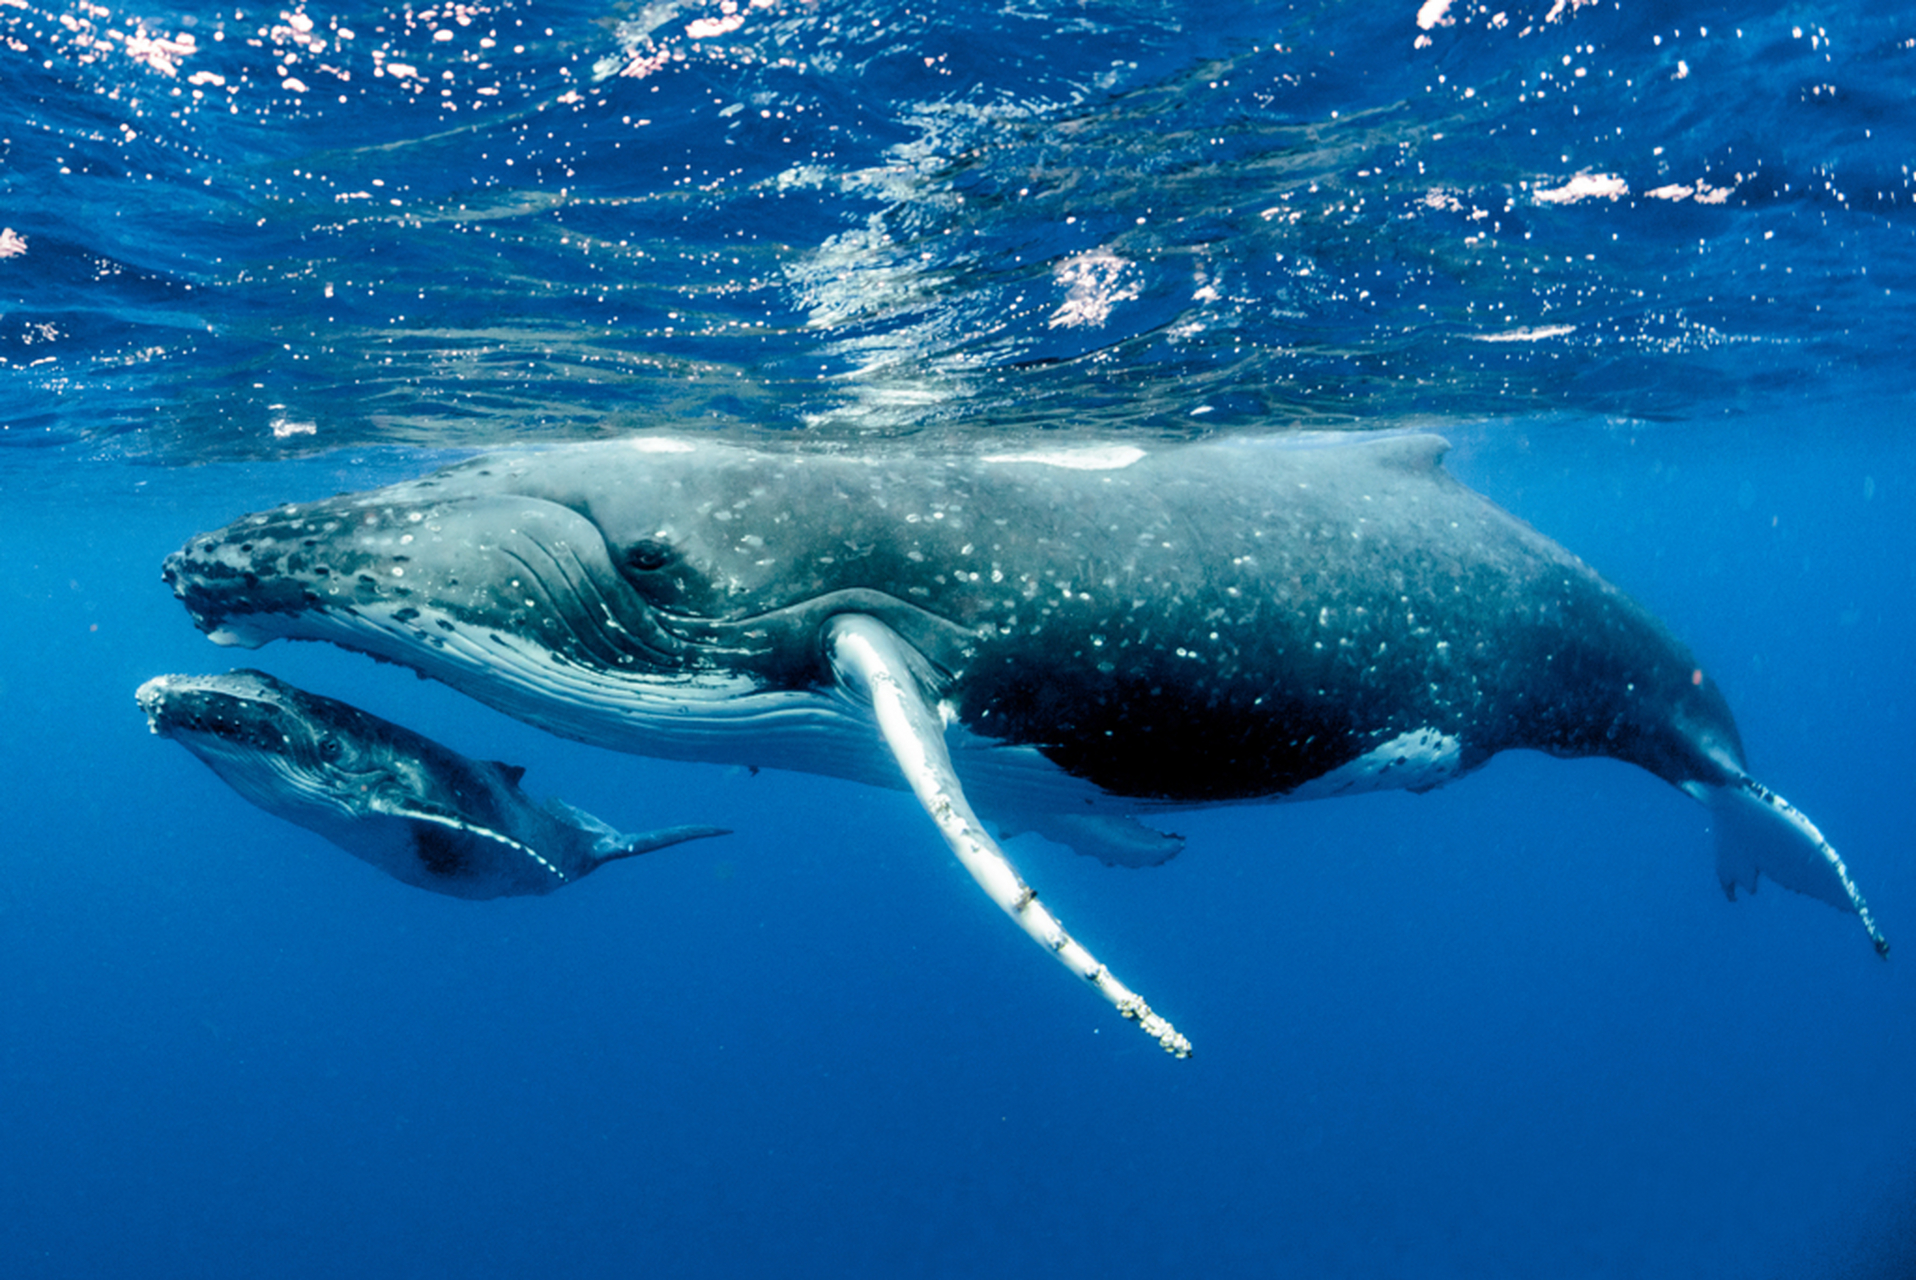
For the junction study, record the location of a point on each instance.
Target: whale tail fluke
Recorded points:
(626, 845)
(1758, 831)
(610, 844)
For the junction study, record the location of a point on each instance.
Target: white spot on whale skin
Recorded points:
(1414, 761)
(660, 444)
(1089, 458)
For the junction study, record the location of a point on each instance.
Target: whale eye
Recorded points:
(648, 555)
(329, 750)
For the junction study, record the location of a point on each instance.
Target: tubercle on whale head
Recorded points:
(414, 572)
(213, 587)
(244, 707)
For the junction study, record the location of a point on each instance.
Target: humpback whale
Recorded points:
(418, 811)
(1066, 638)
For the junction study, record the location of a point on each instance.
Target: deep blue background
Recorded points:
(1510, 1028)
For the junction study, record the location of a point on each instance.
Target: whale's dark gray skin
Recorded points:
(418, 811)
(1094, 630)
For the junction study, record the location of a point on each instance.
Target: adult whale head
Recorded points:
(1102, 628)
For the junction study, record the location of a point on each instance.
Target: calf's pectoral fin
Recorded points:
(1759, 831)
(873, 662)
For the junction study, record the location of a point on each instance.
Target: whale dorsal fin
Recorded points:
(512, 773)
(1417, 453)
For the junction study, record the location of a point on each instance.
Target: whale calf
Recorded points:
(417, 810)
(1066, 638)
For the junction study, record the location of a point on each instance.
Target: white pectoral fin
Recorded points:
(1758, 831)
(871, 660)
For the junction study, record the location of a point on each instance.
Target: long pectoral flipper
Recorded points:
(872, 660)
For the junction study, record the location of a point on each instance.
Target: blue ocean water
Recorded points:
(1649, 267)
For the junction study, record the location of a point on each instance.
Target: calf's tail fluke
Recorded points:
(1759, 831)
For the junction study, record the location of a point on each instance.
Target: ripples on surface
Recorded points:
(244, 232)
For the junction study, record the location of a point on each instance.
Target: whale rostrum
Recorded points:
(1074, 639)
